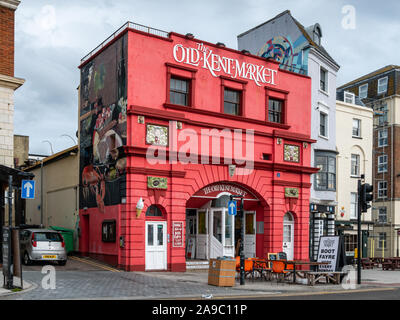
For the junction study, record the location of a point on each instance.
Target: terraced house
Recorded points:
(300, 49)
(380, 90)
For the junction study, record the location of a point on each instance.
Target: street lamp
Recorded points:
(67, 135)
(51, 146)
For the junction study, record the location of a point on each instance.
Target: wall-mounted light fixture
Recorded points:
(139, 207)
(221, 44)
(246, 52)
(189, 36)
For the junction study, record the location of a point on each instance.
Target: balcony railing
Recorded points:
(127, 25)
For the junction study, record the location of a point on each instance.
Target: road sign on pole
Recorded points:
(28, 189)
(232, 208)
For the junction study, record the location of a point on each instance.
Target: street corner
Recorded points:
(17, 288)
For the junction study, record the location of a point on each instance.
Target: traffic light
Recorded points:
(366, 196)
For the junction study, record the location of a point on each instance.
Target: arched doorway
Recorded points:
(211, 232)
(155, 239)
(288, 235)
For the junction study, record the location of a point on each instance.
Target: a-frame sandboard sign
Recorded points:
(331, 250)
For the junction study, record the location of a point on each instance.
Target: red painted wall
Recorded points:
(149, 62)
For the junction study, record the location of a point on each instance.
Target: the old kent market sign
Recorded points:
(214, 190)
(205, 58)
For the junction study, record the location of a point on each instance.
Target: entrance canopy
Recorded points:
(216, 190)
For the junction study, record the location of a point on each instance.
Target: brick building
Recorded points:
(380, 91)
(8, 83)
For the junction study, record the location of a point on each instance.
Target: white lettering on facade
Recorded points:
(215, 63)
(224, 188)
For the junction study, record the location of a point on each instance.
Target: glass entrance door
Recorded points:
(222, 235)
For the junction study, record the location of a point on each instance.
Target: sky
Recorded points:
(51, 37)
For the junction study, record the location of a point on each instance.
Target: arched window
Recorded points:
(153, 211)
(288, 217)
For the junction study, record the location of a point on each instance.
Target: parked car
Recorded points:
(42, 245)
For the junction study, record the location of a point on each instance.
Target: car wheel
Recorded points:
(62, 262)
(27, 260)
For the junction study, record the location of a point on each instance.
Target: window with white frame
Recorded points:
(382, 189)
(323, 124)
(355, 165)
(363, 91)
(382, 214)
(353, 205)
(357, 128)
(382, 85)
(382, 163)
(325, 178)
(382, 138)
(349, 97)
(323, 80)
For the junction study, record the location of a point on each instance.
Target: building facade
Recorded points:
(380, 91)
(170, 128)
(8, 83)
(300, 50)
(354, 128)
(56, 192)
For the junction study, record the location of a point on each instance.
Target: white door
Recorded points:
(250, 234)
(202, 235)
(221, 233)
(217, 225)
(288, 236)
(156, 246)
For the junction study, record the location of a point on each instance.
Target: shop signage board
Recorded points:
(177, 234)
(204, 57)
(331, 250)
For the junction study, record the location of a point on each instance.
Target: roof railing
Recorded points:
(127, 25)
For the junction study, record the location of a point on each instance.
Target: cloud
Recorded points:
(52, 37)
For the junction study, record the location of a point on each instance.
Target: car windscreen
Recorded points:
(47, 236)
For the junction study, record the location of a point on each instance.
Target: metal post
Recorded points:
(359, 232)
(242, 243)
(9, 279)
(41, 193)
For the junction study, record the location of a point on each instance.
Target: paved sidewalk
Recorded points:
(171, 285)
(17, 283)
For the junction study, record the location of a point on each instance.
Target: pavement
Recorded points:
(85, 279)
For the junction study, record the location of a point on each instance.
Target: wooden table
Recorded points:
(261, 266)
(295, 263)
(390, 263)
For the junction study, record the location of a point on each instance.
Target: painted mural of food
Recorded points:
(103, 114)
(93, 182)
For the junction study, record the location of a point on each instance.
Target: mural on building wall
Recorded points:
(103, 128)
(290, 54)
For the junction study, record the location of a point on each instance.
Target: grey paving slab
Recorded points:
(102, 284)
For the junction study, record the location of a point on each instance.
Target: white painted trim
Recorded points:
(10, 4)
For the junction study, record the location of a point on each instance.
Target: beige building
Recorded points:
(354, 137)
(380, 90)
(60, 176)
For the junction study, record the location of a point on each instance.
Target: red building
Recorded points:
(170, 127)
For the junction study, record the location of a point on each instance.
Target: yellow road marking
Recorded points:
(95, 264)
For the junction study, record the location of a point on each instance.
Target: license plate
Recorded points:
(49, 257)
